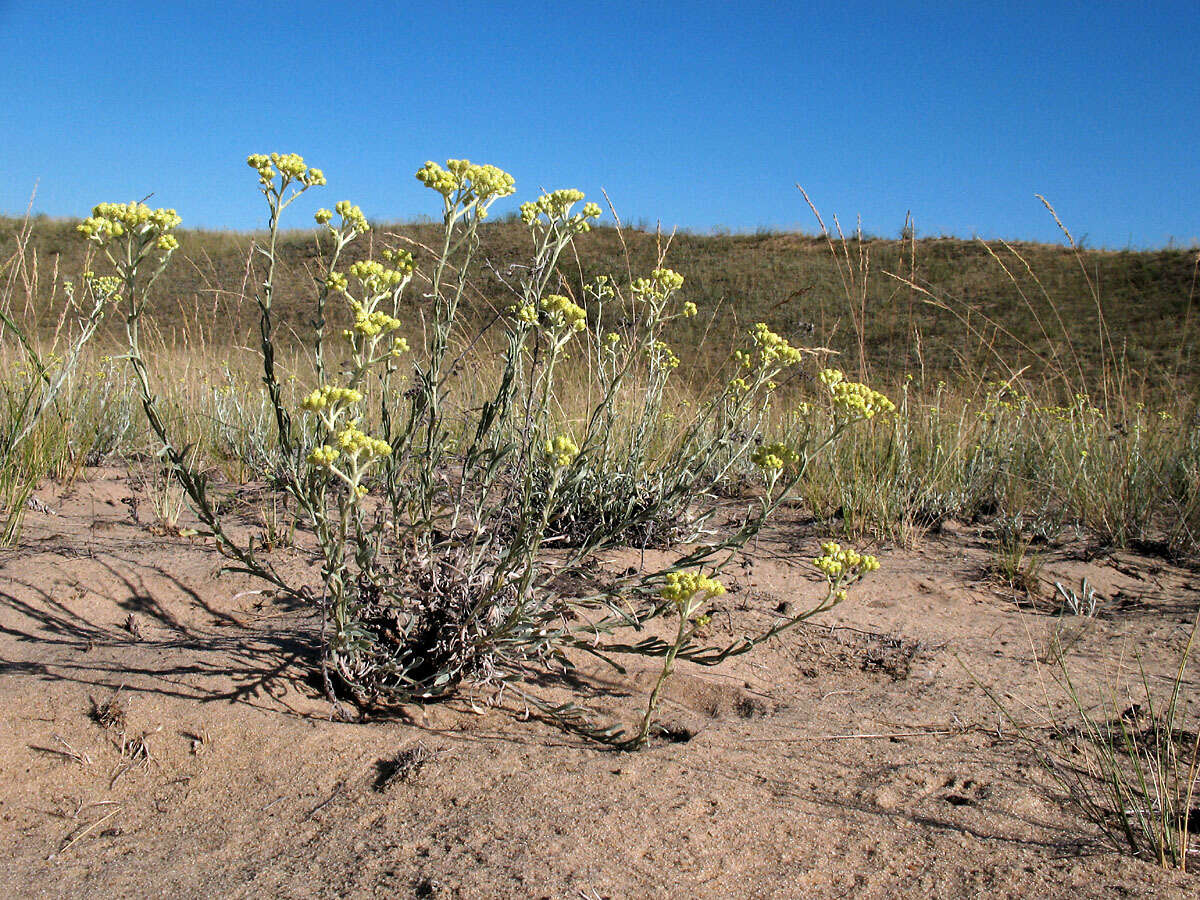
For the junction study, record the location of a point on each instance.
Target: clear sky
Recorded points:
(700, 115)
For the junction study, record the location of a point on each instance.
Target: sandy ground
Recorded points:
(852, 758)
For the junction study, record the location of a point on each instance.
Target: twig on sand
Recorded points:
(863, 736)
(78, 835)
(338, 791)
(70, 753)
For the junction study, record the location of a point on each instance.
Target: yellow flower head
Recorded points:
(330, 396)
(561, 312)
(360, 445)
(352, 217)
(323, 457)
(555, 207)
(108, 286)
(561, 451)
(526, 313)
(401, 260)
(290, 166)
(840, 565)
(660, 284)
(682, 587)
(377, 279)
(466, 182)
(601, 287)
(374, 324)
(114, 220)
(337, 282)
(772, 348)
(662, 352)
(774, 456)
(852, 398)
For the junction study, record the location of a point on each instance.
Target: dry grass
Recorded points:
(988, 347)
(937, 307)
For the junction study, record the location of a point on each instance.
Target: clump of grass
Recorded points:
(1044, 410)
(402, 766)
(1014, 560)
(1133, 767)
(994, 452)
(167, 499)
(1085, 602)
(28, 451)
(110, 714)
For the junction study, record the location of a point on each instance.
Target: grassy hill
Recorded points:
(936, 307)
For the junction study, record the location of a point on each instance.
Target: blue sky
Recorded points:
(698, 115)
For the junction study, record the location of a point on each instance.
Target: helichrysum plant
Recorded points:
(434, 509)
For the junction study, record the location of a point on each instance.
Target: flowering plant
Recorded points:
(434, 510)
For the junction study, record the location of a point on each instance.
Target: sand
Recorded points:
(856, 756)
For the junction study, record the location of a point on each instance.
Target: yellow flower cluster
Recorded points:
(352, 216)
(774, 456)
(558, 311)
(377, 278)
(472, 182)
(689, 309)
(772, 348)
(552, 205)
(665, 355)
(328, 396)
(557, 205)
(112, 220)
(401, 260)
(660, 283)
(526, 313)
(853, 398)
(839, 564)
(357, 443)
(1003, 396)
(561, 450)
(323, 457)
(290, 165)
(562, 312)
(104, 285)
(337, 282)
(377, 322)
(681, 587)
